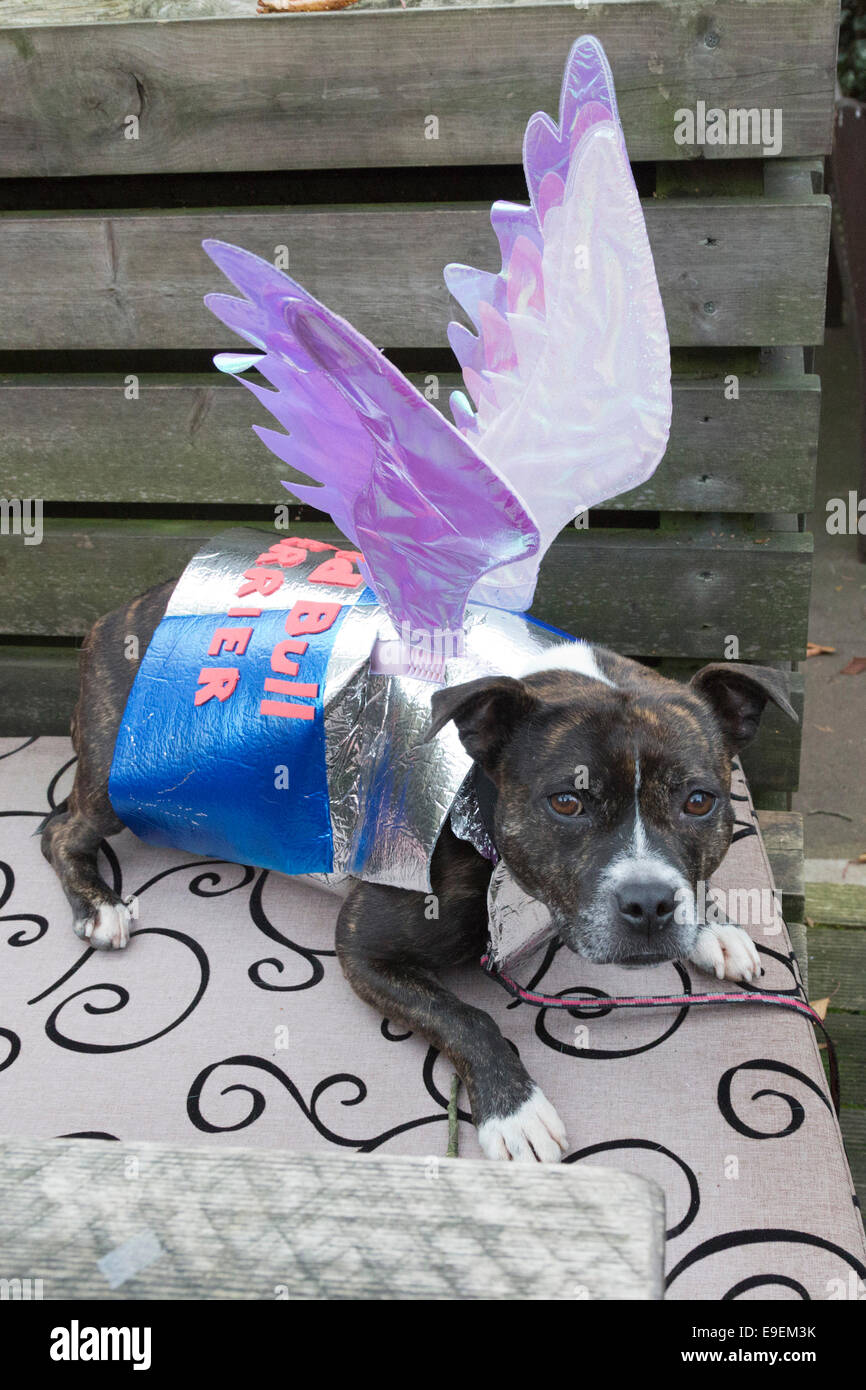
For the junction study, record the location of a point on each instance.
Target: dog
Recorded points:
(606, 792)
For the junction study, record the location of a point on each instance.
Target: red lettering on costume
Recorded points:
(230, 639)
(285, 552)
(308, 616)
(291, 551)
(339, 570)
(280, 661)
(275, 687)
(287, 711)
(217, 682)
(260, 582)
(245, 612)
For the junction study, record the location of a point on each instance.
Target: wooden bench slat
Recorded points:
(836, 904)
(658, 593)
(837, 963)
(732, 271)
(39, 689)
(675, 594)
(264, 1224)
(71, 438)
(848, 1032)
(355, 89)
(782, 833)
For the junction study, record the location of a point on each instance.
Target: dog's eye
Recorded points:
(565, 804)
(699, 804)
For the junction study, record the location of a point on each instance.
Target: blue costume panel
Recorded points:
(222, 747)
(272, 721)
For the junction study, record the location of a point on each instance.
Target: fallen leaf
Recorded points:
(824, 728)
(820, 1006)
(856, 666)
(817, 649)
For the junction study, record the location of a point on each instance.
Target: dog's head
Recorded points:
(613, 788)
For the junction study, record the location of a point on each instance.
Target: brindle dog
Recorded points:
(608, 794)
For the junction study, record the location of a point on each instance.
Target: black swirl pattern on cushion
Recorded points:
(789, 963)
(387, 1031)
(10, 752)
(305, 953)
(763, 1281)
(733, 1239)
(682, 1085)
(121, 998)
(201, 885)
(257, 1103)
(590, 1053)
(197, 884)
(14, 1047)
(655, 1148)
(19, 938)
(797, 1112)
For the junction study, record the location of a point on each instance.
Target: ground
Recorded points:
(832, 775)
(832, 796)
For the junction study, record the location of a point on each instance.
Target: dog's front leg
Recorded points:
(387, 949)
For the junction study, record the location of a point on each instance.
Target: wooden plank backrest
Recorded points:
(727, 268)
(356, 88)
(758, 457)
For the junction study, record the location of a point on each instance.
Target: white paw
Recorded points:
(533, 1133)
(108, 928)
(728, 952)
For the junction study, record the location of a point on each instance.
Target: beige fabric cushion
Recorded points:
(228, 1021)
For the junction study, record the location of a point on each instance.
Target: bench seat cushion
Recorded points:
(228, 1021)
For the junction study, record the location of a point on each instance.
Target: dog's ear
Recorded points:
(485, 712)
(738, 694)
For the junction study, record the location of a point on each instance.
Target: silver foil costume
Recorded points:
(390, 791)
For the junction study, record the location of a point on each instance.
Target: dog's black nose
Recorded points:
(646, 907)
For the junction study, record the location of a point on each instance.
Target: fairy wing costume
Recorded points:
(277, 716)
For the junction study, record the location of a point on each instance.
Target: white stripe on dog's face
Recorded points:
(638, 864)
(638, 839)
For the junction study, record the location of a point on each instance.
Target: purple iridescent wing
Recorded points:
(569, 369)
(430, 515)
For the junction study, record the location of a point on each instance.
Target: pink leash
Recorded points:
(680, 1001)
